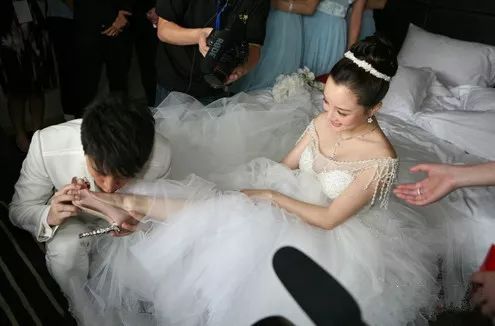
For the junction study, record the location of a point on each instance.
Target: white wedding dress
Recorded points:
(210, 263)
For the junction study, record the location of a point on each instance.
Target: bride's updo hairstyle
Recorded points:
(366, 69)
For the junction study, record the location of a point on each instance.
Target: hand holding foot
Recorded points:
(91, 203)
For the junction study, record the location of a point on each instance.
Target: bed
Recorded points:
(441, 108)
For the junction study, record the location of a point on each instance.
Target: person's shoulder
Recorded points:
(380, 147)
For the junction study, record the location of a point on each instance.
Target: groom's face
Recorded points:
(107, 183)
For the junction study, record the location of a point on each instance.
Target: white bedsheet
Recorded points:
(464, 220)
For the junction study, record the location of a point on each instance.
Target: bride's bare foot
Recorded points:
(89, 202)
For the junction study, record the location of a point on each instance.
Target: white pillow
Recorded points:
(472, 131)
(479, 99)
(408, 89)
(455, 62)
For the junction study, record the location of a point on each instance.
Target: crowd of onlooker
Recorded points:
(65, 44)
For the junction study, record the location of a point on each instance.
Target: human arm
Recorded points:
(355, 22)
(356, 196)
(118, 24)
(376, 4)
(484, 295)
(302, 7)
(171, 29)
(29, 208)
(125, 8)
(172, 33)
(117, 208)
(442, 179)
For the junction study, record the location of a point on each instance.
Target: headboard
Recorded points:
(469, 20)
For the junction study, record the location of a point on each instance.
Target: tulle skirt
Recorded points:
(231, 131)
(210, 263)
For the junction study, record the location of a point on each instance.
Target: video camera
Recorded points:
(228, 49)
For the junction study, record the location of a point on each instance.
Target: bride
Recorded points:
(204, 257)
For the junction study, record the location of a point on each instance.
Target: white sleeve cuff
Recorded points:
(45, 231)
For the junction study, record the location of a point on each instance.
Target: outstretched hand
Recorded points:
(61, 207)
(439, 182)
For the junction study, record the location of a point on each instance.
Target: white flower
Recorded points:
(300, 83)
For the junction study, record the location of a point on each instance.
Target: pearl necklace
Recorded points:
(341, 139)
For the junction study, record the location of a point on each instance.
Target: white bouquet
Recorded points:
(297, 83)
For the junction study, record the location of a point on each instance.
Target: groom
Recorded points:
(114, 143)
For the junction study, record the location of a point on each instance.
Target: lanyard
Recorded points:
(220, 9)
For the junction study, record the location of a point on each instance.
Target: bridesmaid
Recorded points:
(368, 26)
(327, 34)
(283, 47)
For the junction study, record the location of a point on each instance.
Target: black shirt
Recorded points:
(179, 66)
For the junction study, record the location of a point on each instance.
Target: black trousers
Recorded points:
(145, 42)
(94, 51)
(62, 33)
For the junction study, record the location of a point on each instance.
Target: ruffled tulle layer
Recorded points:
(210, 263)
(231, 131)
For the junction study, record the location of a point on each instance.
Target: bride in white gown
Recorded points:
(205, 257)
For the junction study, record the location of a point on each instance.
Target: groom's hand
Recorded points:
(61, 207)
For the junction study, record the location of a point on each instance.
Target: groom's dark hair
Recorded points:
(117, 136)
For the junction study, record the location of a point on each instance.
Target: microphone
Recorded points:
(321, 296)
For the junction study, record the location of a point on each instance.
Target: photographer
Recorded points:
(184, 26)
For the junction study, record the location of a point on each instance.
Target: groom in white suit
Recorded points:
(114, 143)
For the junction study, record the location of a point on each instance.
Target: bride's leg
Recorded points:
(155, 207)
(117, 204)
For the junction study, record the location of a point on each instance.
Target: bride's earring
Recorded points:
(370, 119)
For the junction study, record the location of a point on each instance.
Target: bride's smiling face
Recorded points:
(341, 104)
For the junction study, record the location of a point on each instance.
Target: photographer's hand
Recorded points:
(202, 35)
(252, 60)
(237, 73)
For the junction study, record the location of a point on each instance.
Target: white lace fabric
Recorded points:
(335, 176)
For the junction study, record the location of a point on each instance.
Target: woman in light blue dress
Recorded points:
(327, 35)
(281, 52)
(367, 24)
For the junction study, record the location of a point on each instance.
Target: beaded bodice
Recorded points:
(334, 7)
(335, 176)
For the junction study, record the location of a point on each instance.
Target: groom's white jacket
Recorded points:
(54, 157)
